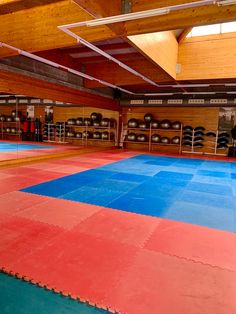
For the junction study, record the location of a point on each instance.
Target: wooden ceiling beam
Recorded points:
(37, 30)
(100, 59)
(112, 73)
(182, 19)
(10, 6)
(104, 47)
(184, 34)
(97, 9)
(100, 9)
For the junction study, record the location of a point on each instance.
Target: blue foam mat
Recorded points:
(14, 147)
(188, 190)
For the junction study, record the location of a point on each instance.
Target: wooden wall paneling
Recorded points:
(38, 110)
(194, 116)
(65, 113)
(208, 57)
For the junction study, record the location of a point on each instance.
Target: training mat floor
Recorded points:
(10, 150)
(127, 261)
(6, 147)
(195, 191)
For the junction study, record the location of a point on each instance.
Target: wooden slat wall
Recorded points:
(208, 57)
(38, 110)
(65, 113)
(195, 116)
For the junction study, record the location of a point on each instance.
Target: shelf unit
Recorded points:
(55, 133)
(151, 131)
(61, 133)
(215, 144)
(62, 138)
(11, 124)
(210, 144)
(49, 133)
(193, 149)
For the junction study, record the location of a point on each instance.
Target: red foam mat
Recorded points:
(162, 284)
(131, 263)
(127, 262)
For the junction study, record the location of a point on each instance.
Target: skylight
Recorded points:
(212, 29)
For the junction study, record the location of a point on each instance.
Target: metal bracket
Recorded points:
(126, 6)
(178, 68)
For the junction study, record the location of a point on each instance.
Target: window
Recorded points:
(228, 27)
(212, 29)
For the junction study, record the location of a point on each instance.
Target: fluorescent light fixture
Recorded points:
(230, 84)
(127, 17)
(158, 94)
(199, 93)
(190, 85)
(138, 15)
(231, 92)
(225, 2)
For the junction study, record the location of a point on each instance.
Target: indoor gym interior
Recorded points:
(118, 157)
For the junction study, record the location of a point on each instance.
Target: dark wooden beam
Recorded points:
(183, 34)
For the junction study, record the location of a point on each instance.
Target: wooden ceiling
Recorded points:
(33, 26)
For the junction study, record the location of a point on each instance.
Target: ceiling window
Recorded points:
(212, 29)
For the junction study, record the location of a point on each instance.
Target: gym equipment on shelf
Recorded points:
(187, 138)
(131, 137)
(155, 124)
(133, 123)
(96, 116)
(175, 140)
(2, 117)
(198, 139)
(105, 135)
(142, 138)
(79, 121)
(71, 121)
(165, 124)
(96, 135)
(188, 128)
(187, 143)
(148, 118)
(142, 125)
(199, 128)
(79, 135)
(87, 134)
(176, 125)
(165, 140)
(96, 123)
(198, 133)
(156, 138)
(105, 122)
(87, 122)
(9, 119)
(198, 145)
(70, 134)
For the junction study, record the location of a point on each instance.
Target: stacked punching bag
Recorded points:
(32, 130)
